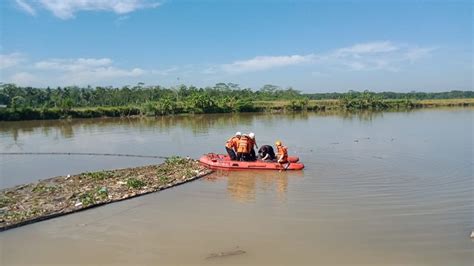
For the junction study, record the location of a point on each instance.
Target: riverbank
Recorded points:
(9, 114)
(62, 195)
(361, 104)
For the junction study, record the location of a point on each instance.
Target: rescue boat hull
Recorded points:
(223, 162)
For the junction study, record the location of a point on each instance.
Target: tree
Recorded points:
(17, 102)
(4, 98)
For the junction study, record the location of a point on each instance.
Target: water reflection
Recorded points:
(196, 123)
(363, 115)
(245, 186)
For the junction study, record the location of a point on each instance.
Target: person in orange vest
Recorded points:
(243, 151)
(231, 146)
(252, 143)
(282, 153)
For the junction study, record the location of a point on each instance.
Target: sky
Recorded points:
(311, 46)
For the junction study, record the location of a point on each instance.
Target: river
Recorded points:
(391, 188)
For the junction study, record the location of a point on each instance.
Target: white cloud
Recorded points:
(374, 56)
(24, 79)
(65, 9)
(86, 70)
(209, 70)
(26, 7)
(79, 71)
(416, 53)
(368, 48)
(100, 74)
(11, 60)
(265, 62)
(79, 64)
(380, 55)
(164, 72)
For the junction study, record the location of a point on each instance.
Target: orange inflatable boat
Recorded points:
(221, 161)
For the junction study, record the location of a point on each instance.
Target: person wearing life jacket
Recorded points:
(243, 152)
(231, 146)
(252, 143)
(282, 152)
(266, 153)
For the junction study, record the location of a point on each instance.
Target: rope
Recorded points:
(84, 153)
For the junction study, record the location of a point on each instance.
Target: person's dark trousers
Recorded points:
(243, 156)
(231, 153)
(252, 156)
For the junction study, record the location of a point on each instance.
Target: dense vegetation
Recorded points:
(396, 95)
(36, 103)
(210, 97)
(24, 103)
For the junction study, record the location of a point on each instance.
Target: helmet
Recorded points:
(251, 135)
(238, 133)
(278, 143)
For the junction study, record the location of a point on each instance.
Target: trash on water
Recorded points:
(236, 251)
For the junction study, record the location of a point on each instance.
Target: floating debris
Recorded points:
(58, 196)
(224, 254)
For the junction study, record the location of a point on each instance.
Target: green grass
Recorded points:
(41, 188)
(87, 199)
(135, 183)
(175, 160)
(97, 175)
(4, 201)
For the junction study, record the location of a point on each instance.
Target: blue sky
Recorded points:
(313, 46)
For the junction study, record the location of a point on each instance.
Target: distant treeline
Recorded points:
(455, 94)
(25, 103)
(68, 97)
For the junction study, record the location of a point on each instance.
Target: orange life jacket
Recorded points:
(228, 143)
(251, 143)
(232, 143)
(243, 146)
(282, 153)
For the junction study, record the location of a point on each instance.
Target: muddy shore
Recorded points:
(48, 198)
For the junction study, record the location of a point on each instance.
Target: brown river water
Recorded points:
(393, 188)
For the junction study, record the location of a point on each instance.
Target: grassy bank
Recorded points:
(358, 104)
(26, 103)
(62, 195)
(445, 102)
(157, 109)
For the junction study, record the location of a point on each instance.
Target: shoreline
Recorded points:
(28, 114)
(62, 195)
